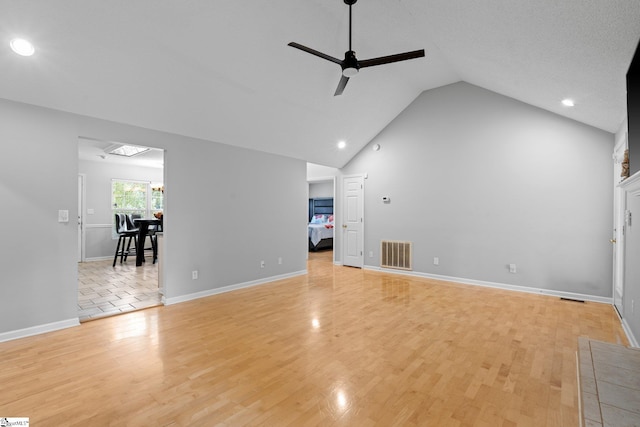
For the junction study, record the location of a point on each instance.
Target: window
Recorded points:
(136, 197)
(157, 198)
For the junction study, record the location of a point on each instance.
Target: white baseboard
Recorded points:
(215, 291)
(39, 329)
(98, 258)
(526, 289)
(627, 330)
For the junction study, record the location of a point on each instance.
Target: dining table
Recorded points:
(143, 230)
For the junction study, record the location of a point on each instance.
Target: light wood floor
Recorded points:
(339, 347)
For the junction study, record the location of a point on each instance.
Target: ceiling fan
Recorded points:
(350, 64)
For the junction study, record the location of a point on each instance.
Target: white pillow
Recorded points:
(317, 219)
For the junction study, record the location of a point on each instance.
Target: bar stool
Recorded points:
(151, 232)
(123, 232)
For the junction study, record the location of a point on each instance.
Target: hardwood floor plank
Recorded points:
(340, 346)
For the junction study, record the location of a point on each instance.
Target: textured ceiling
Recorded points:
(222, 70)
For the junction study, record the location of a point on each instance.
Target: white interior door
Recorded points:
(353, 221)
(619, 206)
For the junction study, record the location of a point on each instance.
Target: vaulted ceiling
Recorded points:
(222, 71)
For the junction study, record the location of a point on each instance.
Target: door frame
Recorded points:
(336, 205)
(82, 195)
(619, 207)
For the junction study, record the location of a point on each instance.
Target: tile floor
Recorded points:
(609, 383)
(104, 290)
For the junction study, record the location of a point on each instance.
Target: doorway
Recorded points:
(323, 190)
(105, 289)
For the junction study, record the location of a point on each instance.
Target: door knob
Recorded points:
(344, 225)
(612, 240)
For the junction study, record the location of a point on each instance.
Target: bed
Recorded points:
(321, 224)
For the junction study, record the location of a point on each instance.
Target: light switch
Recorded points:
(63, 216)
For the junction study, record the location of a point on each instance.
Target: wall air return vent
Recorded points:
(395, 254)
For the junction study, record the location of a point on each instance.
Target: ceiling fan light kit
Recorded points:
(350, 64)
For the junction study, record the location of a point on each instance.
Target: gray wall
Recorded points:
(227, 209)
(481, 181)
(236, 207)
(320, 172)
(99, 241)
(38, 177)
(320, 189)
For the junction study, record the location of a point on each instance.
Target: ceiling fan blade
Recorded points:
(315, 52)
(392, 58)
(341, 85)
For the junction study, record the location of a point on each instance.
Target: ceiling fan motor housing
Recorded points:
(350, 65)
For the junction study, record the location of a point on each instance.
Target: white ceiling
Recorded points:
(222, 71)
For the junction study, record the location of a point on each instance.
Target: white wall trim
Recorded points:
(627, 330)
(82, 200)
(632, 184)
(215, 291)
(98, 258)
(526, 289)
(39, 329)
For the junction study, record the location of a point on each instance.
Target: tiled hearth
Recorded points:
(104, 290)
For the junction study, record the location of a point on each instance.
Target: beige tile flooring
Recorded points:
(104, 290)
(609, 383)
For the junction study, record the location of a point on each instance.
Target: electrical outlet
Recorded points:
(194, 274)
(261, 264)
(633, 303)
(436, 260)
(279, 260)
(370, 254)
(512, 268)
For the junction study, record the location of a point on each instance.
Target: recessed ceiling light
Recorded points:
(568, 102)
(22, 47)
(342, 144)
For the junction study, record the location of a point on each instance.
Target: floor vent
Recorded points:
(394, 254)
(571, 299)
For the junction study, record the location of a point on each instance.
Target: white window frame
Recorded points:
(148, 195)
